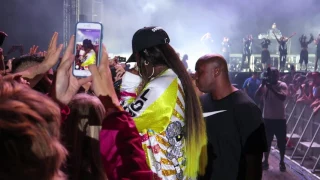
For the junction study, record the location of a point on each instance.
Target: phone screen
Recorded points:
(87, 47)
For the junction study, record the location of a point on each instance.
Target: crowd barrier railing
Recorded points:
(303, 140)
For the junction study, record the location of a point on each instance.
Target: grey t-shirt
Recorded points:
(274, 108)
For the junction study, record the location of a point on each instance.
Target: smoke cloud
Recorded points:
(186, 21)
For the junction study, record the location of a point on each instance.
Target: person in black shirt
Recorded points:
(235, 128)
(226, 49)
(283, 50)
(265, 54)
(247, 51)
(304, 54)
(317, 42)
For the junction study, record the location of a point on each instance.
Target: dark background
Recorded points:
(34, 21)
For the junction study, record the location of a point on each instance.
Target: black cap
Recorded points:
(148, 37)
(87, 43)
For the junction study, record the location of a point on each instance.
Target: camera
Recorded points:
(121, 59)
(269, 77)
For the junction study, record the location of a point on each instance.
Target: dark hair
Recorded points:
(24, 62)
(87, 43)
(84, 161)
(195, 127)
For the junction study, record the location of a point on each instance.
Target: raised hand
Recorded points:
(120, 72)
(49, 61)
(42, 53)
(66, 85)
(33, 50)
(9, 64)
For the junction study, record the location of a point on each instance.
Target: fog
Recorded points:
(32, 22)
(186, 21)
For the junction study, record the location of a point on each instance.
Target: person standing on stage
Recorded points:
(265, 54)
(317, 42)
(274, 30)
(274, 93)
(247, 50)
(226, 49)
(236, 133)
(304, 54)
(283, 50)
(207, 42)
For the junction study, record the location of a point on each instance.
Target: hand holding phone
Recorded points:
(87, 48)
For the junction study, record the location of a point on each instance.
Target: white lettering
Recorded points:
(156, 29)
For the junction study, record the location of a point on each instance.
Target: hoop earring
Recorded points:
(152, 73)
(139, 73)
(146, 63)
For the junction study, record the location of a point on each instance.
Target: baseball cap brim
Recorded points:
(132, 58)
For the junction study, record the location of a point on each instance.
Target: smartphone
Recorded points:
(87, 50)
(122, 59)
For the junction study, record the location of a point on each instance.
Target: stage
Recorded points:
(255, 62)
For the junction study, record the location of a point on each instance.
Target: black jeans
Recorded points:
(277, 127)
(304, 56)
(316, 61)
(244, 57)
(283, 60)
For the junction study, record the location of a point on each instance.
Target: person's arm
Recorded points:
(120, 145)
(130, 83)
(261, 90)
(311, 39)
(254, 147)
(291, 36)
(245, 86)
(37, 72)
(276, 37)
(281, 93)
(253, 136)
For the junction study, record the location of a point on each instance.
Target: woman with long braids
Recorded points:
(166, 110)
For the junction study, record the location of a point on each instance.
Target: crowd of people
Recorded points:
(152, 121)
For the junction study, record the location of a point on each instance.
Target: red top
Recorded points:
(120, 145)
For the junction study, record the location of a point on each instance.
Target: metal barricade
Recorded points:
(303, 126)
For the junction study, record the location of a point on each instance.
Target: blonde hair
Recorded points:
(29, 134)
